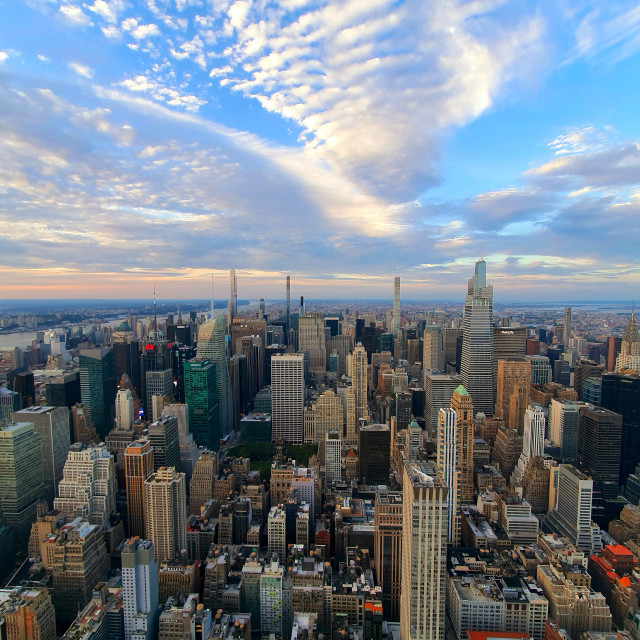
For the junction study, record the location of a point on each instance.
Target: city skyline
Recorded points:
(162, 141)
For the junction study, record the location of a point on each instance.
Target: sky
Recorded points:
(342, 143)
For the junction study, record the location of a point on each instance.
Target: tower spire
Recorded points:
(155, 312)
(212, 295)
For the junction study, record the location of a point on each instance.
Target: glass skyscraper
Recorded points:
(201, 396)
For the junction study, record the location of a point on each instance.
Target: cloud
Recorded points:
(75, 15)
(81, 69)
(3, 56)
(108, 11)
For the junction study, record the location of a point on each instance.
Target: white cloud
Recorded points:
(145, 31)
(3, 56)
(107, 10)
(110, 32)
(43, 58)
(81, 69)
(74, 14)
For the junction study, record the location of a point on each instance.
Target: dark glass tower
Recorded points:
(98, 386)
(201, 394)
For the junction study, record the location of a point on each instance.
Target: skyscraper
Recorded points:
(333, 457)
(288, 326)
(98, 386)
(512, 374)
(447, 461)
(461, 403)
(124, 409)
(477, 341)
(156, 371)
(165, 510)
(396, 306)
(140, 590)
(566, 332)
(432, 354)
(388, 549)
(532, 442)
(375, 453)
(52, 423)
(138, 466)
(164, 438)
(311, 338)
(211, 346)
(424, 553)
(287, 397)
(21, 478)
(201, 395)
(359, 381)
(233, 283)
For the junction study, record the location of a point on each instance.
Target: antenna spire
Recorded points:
(482, 250)
(155, 312)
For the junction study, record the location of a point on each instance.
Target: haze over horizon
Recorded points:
(165, 140)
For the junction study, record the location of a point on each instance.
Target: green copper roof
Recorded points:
(461, 391)
(414, 424)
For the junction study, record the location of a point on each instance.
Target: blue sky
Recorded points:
(343, 143)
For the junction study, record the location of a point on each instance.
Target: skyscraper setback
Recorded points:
(477, 340)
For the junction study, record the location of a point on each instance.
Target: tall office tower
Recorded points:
(396, 306)
(599, 448)
(52, 423)
(564, 416)
(329, 415)
(333, 457)
(540, 369)
(566, 331)
(512, 374)
(572, 515)
(98, 386)
(375, 453)
(311, 338)
(287, 397)
(288, 325)
(388, 549)
(140, 590)
(201, 396)
(272, 605)
(165, 441)
(156, 357)
(138, 466)
(614, 345)
(461, 403)
(89, 486)
(165, 503)
(532, 441)
(202, 480)
(359, 382)
(277, 532)
(62, 391)
(351, 432)
(447, 461)
(438, 389)
(621, 393)
(432, 356)
(157, 383)
(126, 354)
(233, 284)
(450, 337)
(476, 367)
(82, 425)
(211, 346)
(124, 410)
(509, 343)
(424, 553)
(21, 478)
(10, 401)
(189, 452)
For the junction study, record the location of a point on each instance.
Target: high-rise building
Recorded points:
(233, 286)
(52, 423)
(438, 391)
(82, 425)
(599, 448)
(189, 452)
(432, 354)
(621, 393)
(540, 369)
(98, 386)
(212, 346)
(388, 549)
(476, 366)
(164, 439)
(27, 614)
(272, 606)
(512, 374)
(138, 465)
(140, 590)
(396, 306)
(63, 391)
(359, 382)
(564, 417)
(333, 457)
(532, 441)
(461, 403)
(88, 487)
(202, 480)
(424, 553)
(566, 331)
(21, 478)
(375, 453)
(287, 397)
(124, 409)
(277, 532)
(201, 396)
(165, 510)
(572, 515)
(447, 461)
(328, 415)
(311, 338)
